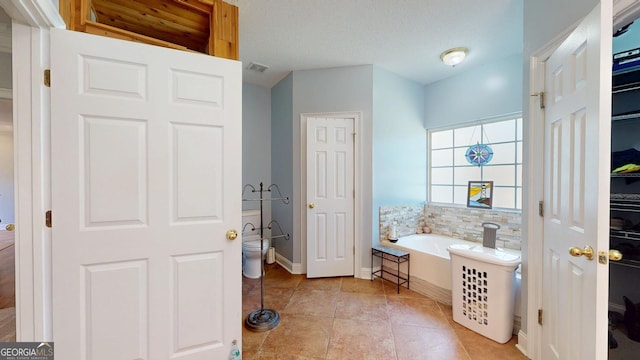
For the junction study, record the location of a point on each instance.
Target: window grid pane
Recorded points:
(442, 176)
(442, 157)
(441, 194)
(450, 172)
(442, 139)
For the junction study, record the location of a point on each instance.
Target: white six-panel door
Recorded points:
(146, 179)
(330, 197)
(576, 195)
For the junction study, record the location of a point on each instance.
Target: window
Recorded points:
(450, 172)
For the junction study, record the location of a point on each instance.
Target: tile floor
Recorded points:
(347, 318)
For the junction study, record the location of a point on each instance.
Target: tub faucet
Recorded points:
(489, 234)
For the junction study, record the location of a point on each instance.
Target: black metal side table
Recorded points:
(394, 255)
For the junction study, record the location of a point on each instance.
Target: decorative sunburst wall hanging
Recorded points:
(479, 154)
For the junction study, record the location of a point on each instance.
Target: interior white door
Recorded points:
(576, 191)
(330, 197)
(146, 179)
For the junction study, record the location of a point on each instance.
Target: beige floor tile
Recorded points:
(328, 284)
(312, 302)
(279, 277)
(354, 339)
(417, 343)
(362, 286)
(272, 356)
(299, 335)
(391, 290)
(416, 312)
(358, 306)
(251, 342)
(360, 319)
(481, 348)
(275, 298)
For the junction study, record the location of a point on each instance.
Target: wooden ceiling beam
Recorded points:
(208, 26)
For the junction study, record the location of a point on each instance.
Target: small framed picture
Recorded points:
(480, 194)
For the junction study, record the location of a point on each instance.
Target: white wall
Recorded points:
(483, 92)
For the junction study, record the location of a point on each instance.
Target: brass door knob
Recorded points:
(10, 227)
(615, 255)
(312, 205)
(232, 234)
(586, 252)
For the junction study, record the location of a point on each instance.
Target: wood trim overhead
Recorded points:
(205, 26)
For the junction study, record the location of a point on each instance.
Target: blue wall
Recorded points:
(344, 89)
(399, 143)
(256, 138)
(282, 158)
(483, 92)
(393, 140)
(395, 112)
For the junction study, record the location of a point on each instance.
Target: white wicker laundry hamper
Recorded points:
(483, 289)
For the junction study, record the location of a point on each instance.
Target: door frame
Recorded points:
(533, 226)
(357, 187)
(31, 22)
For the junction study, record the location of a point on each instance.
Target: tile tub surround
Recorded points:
(458, 222)
(407, 219)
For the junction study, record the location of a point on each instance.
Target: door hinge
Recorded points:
(47, 77)
(541, 208)
(540, 316)
(541, 98)
(47, 218)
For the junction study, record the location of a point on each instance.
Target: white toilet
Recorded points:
(252, 255)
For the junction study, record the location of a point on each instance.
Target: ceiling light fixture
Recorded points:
(453, 57)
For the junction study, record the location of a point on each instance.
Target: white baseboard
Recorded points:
(294, 268)
(365, 273)
(522, 344)
(297, 269)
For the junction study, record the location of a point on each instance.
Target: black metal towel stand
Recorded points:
(264, 319)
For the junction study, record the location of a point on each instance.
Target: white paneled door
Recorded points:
(576, 195)
(330, 197)
(146, 179)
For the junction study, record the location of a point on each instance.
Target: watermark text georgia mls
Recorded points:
(26, 351)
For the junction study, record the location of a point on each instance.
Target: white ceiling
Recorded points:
(405, 37)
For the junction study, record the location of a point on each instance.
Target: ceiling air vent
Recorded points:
(257, 67)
